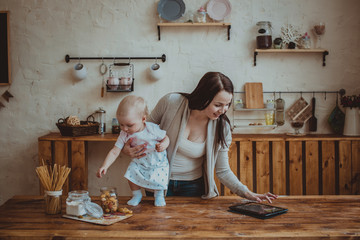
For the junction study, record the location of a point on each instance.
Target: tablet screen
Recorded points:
(258, 209)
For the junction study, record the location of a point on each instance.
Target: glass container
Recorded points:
(238, 104)
(76, 201)
(297, 125)
(109, 201)
(101, 118)
(264, 35)
(115, 126)
(53, 202)
(269, 118)
(305, 41)
(201, 15)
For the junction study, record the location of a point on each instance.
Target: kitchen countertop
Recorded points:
(332, 216)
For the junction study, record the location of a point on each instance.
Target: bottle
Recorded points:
(76, 201)
(115, 126)
(264, 37)
(109, 201)
(279, 113)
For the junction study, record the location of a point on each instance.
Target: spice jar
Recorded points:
(53, 202)
(76, 201)
(109, 201)
(264, 36)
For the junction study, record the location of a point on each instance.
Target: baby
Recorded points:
(151, 171)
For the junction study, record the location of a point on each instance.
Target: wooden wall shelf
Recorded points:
(324, 52)
(189, 24)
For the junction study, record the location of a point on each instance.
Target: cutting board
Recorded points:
(254, 95)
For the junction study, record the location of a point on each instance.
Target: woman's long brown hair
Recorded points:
(210, 85)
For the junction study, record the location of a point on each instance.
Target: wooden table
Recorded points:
(311, 217)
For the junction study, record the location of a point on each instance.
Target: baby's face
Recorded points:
(131, 122)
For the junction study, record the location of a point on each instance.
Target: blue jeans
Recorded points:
(193, 188)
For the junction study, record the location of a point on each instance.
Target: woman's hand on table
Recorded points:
(134, 152)
(261, 197)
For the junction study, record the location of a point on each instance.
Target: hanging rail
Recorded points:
(341, 92)
(68, 58)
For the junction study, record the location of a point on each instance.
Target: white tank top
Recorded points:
(188, 161)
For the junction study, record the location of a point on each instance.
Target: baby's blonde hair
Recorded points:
(132, 103)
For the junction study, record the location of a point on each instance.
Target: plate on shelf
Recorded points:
(171, 9)
(218, 9)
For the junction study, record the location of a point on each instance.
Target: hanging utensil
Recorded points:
(337, 119)
(103, 70)
(313, 119)
(279, 113)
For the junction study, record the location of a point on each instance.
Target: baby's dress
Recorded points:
(151, 171)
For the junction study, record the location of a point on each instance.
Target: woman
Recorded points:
(200, 136)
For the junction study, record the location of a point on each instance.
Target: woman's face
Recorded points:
(219, 105)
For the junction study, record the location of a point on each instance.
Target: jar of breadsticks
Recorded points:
(109, 201)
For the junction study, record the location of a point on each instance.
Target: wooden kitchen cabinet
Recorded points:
(308, 165)
(316, 164)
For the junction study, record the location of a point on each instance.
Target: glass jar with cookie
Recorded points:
(109, 201)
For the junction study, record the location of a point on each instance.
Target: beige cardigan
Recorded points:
(172, 114)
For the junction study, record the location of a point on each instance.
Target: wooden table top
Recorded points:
(308, 217)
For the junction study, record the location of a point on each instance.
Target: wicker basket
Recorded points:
(85, 128)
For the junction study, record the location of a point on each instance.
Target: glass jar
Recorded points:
(101, 118)
(109, 201)
(238, 104)
(76, 201)
(53, 202)
(201, 15)
(264, 35)
(115, 126)
(306, 42)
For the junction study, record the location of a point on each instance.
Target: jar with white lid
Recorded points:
(76, 201)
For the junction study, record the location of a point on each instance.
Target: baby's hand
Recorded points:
(101, 171)
(163, 144)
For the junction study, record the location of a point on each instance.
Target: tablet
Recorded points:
(258, 210)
